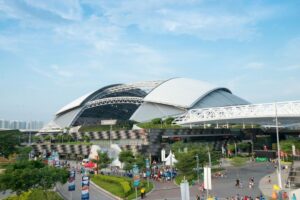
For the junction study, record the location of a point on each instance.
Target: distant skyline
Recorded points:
(54, 51)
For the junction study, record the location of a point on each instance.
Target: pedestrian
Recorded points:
(237, 183)
(294, 197)
(142, 192)
(197, 197)
(269, 179)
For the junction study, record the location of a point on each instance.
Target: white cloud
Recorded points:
(255, 65)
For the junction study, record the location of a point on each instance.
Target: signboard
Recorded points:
(136, 176)
(207, 178)
(71, 181)
(148, 173)
(85, 188)
(108, 122)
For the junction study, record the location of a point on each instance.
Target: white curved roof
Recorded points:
(180, 92)
(77, 102)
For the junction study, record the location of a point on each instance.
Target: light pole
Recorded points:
(197, 158)
(278, 148)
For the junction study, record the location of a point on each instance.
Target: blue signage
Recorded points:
(136, 176)
(148, 173)
(71, 181)
(85, 188)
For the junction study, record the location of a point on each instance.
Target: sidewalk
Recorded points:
(267, 187)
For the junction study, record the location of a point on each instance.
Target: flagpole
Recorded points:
(278, 149)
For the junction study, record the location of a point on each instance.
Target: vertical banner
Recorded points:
(136, 176)
(71, 181)
(293, 150)
(207, 178)
(85, 188)
(148, 173)
(185, 190)
(163, 155)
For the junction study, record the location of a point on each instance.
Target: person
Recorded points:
(269, 179)
(237, 183)
(294, 197)
(285, 195)
(142, 192)
(197, 197)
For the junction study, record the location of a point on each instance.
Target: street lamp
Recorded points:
(278, 148)
(197, 158)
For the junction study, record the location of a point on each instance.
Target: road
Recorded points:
(95, 193)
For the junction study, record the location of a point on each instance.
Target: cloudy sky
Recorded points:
(52, 51)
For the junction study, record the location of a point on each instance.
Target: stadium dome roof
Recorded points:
(181, 92)
(144, 101)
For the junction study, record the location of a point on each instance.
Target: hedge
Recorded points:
(125, 185)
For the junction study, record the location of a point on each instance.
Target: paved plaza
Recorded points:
(222, 187)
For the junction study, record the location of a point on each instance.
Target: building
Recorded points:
(142, 102)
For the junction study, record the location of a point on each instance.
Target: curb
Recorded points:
(105, 191)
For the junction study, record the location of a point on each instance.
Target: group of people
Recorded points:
(239, 184)
(237, 197)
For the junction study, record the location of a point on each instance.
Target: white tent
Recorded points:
(170, 160)
(94, 152)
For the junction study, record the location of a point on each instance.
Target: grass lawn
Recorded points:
(116, 189)
(111, 187)
(238, 161)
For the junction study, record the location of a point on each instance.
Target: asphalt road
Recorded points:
(95, 193)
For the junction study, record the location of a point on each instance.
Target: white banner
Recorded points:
(207, 178)
(108, 122)
(185, 191)
(294, 150)
(163, 155)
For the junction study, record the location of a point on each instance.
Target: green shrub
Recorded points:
(123, 183)
(36, 194)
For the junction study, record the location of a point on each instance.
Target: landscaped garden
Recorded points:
(120, 186)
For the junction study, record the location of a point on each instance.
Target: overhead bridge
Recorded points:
(287, 113)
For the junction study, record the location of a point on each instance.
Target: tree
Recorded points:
(128, 159)
(48, 138)
(9, 142)
(86, 138)
(156, 121)
(23, 153)
(103, 160)
(169, 120)
(187, 160)
(25, 175)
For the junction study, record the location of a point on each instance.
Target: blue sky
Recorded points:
(54, 51)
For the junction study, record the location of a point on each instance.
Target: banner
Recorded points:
(293, 150)
(136, 176)
(207, 178)
(185, 190)
(148, 173)
(85, 188)
(71, 181)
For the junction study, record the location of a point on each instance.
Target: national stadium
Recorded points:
(200, 112)
(143, 101)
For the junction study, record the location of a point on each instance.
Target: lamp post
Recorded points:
(197, 158)
(278, 148)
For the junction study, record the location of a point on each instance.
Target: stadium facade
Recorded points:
(142, 101)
